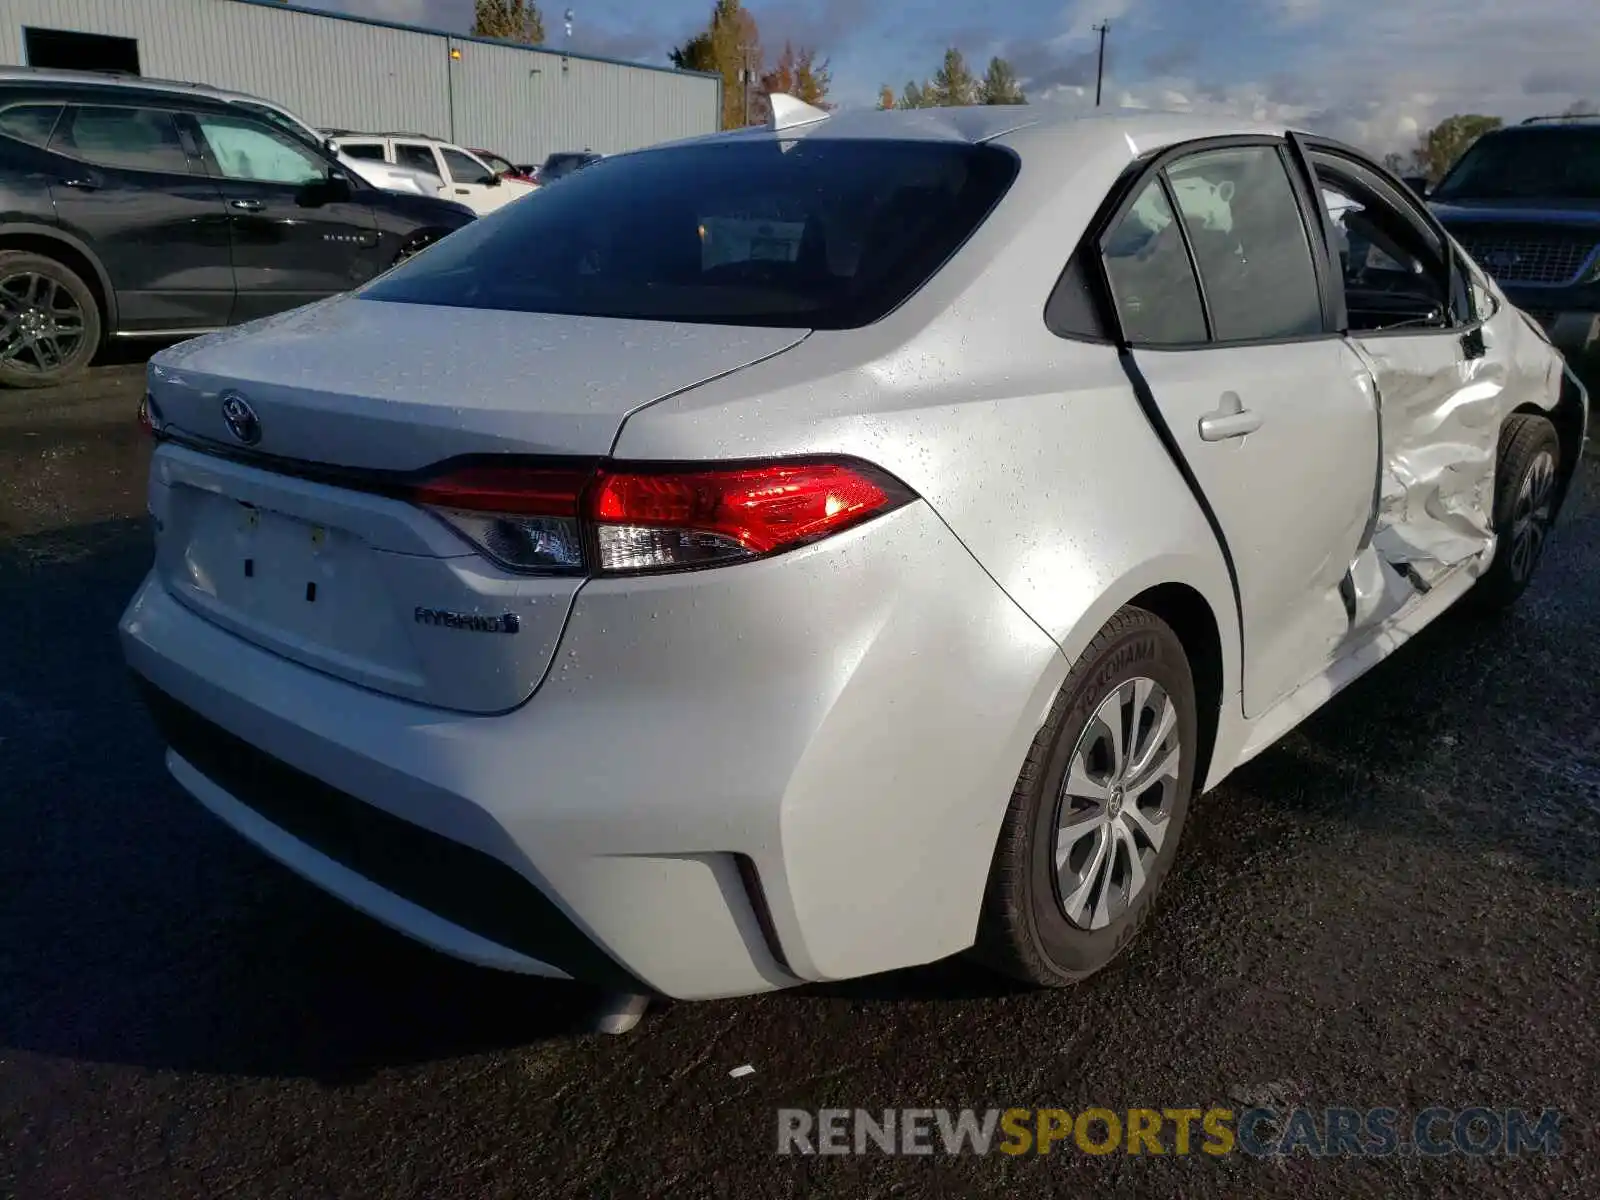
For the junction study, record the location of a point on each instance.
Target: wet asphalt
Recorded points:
(1399, 906)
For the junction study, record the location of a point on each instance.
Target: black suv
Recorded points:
(1525, 202)
(133, 211)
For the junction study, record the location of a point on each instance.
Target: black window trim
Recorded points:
(1316, 248)
(171, 108)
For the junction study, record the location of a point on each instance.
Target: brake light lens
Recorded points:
(654, 520)
(524, 519)
(650, 519)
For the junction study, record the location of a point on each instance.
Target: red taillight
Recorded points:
(497, 489)
(646, 519)
(643, 518)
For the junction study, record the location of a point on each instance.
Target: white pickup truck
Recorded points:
(453, 172)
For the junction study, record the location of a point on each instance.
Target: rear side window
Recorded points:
(817, 233)
(134, 139)
(418, 158)
(1151, 279)
(1243, 220)
(31, 123)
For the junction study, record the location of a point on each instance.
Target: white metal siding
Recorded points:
(525, 105)
(520, 103)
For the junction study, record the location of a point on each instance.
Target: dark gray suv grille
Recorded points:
(1530, 258)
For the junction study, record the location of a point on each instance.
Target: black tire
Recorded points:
(1024, 929)
(1527, 485)
(49, 321)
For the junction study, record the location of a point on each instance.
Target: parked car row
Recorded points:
(138, 209)
(454, 172)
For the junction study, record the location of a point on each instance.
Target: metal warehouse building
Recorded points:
(349, 73)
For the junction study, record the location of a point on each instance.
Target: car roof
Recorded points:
(112, 79)
(1041, 128)
(341, 135)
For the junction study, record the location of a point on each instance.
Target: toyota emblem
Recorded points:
(241, 419)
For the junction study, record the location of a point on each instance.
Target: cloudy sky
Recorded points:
(1370, 71)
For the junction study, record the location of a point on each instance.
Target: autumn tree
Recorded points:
(729, 46)
(1000, 84)
(953, 84)
(512, 20)
(797, 73)
(885, 98)
(1447, 141)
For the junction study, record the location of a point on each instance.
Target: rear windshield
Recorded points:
(1558, 164)
(816, 233)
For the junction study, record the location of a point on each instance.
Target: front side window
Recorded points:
(418, 158)
(31, 123)
(464, 169)
(246, 149)
(1249, 238)
(132, 139)
(366, 151)
(1560, 163)
(816, 233)
(1151, 279)
(1392, 275)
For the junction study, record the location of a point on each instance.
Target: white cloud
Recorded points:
(1377, 76)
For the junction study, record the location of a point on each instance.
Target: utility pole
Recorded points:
(1100, 69)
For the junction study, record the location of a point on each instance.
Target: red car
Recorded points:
(504, 167)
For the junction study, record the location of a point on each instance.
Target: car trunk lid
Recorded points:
(304, 541)
(398, 387)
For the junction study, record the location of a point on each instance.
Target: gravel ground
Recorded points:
(1396, 907)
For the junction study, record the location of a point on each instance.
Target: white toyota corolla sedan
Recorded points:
(829, 547)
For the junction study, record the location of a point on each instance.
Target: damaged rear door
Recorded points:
(1441, 393)
(1222, 300)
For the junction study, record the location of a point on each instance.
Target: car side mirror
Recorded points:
(1418, 184)
(493, 181)
(333, 188)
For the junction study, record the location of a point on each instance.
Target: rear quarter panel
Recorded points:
(1031, 447)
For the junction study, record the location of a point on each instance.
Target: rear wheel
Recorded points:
(1527, 486)
(49, 321)
(1096, 814)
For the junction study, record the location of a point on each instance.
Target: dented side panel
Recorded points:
(1441, 408)
(1440, 414)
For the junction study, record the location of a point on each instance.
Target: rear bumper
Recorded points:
(733, 781)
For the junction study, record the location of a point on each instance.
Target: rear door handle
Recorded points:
(1231, 420)
(83, 184)
(245, 205)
